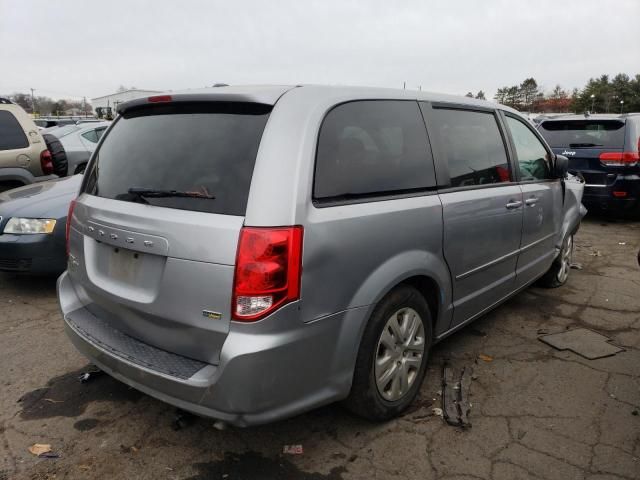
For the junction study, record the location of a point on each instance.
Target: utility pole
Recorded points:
(33, 103)
(84, 106)
(404, 85)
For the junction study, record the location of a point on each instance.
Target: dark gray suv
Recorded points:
(249, 253)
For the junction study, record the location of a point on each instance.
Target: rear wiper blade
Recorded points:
(150, 192)
(579, 145)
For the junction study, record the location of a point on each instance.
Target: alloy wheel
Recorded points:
(399, 354)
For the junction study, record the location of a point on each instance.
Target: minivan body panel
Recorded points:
(148, 291)
(481, 242)
(130, 269)
(542, 221)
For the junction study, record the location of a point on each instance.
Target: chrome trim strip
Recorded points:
(487, 265)
(596, 185)
(503, 258)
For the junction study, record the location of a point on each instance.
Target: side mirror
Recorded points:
(560, 166)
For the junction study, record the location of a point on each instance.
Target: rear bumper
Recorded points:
(32, 254)
(603, 196)
(269, 370)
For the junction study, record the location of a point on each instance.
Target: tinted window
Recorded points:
(372, 147)
(91, 135)
(11, 134)
(532, 156)
(583, 133)
(472, 147)
(207, 149)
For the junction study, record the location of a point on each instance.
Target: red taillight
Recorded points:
(619, 193)
(72, 205)
(46, 162)
(619, 159)
(159, 98)
(268, 268)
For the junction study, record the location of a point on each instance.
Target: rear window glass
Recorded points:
(370, 148)
(583, 133)
(11, 134)
(472, 146)
(204, 149)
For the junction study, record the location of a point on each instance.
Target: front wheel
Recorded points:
(558, 274)
(393, 355)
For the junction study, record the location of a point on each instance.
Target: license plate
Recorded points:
(124, 264)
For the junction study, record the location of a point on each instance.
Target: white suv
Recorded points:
(24, 157)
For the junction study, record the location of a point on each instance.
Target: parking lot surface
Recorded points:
(536, 412)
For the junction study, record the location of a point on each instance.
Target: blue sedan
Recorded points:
(32, 226)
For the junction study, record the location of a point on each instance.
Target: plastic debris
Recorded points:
(38, 449)
(596, 253)
(292, 450)
(576, 266)
(584, 342)
(456, 390)
(437, 412)
(486, 358)
(622, 243)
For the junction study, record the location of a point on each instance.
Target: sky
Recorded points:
(76, 48)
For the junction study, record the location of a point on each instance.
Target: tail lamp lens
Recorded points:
(268, 268)
(46, 162)
(72, 205)
(619, 159)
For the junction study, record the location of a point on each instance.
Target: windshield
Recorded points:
(583, 133)
(208, 149)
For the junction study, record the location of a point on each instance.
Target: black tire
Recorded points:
(365, 399)
(58, 155)
(558, 273)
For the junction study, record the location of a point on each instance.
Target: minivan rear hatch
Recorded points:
(155, 229)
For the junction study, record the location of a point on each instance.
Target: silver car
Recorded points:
(79, 141)
(250, 253)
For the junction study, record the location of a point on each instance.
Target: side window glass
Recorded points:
(372, 147)
(11, 134)
(473, 147)
(533, 159)
(91, 135)
(99, 132)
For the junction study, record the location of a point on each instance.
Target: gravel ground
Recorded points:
(536, 412)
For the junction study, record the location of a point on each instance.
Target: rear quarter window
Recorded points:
(372, 148)
(12, 136)
(206, 148)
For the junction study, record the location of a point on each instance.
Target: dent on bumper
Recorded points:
(264, 374)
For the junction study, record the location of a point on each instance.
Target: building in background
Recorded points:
(112, 101)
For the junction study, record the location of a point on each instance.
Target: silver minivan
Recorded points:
(250, 253)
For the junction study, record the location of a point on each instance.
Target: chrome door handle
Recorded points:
(531, 201)
(512, 205)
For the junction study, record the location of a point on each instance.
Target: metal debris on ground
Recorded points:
(584, 342)
(455, 396)
(596, 253)
(576, 266)
(622, 243)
